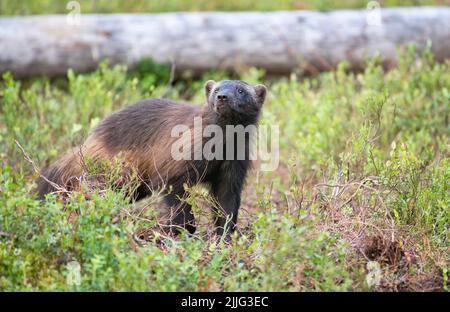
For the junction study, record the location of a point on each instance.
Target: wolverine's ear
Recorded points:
(261, 92)
(209, 85)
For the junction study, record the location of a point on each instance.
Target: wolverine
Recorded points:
(142, 134)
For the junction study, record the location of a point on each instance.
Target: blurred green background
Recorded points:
(13, 7)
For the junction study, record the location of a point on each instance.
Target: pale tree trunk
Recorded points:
(276, 41)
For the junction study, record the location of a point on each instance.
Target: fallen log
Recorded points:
(276, 41)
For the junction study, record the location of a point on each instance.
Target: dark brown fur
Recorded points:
(141, 133)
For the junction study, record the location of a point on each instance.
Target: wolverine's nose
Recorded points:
(222, 97)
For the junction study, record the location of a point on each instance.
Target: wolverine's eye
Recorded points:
(216, 90)
(240, 91)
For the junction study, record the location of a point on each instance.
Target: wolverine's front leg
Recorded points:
(227, 188)
(180, 211)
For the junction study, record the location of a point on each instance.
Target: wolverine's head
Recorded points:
(235, 98)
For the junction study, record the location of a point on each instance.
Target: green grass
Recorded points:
(11, 7)
(364, 178)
